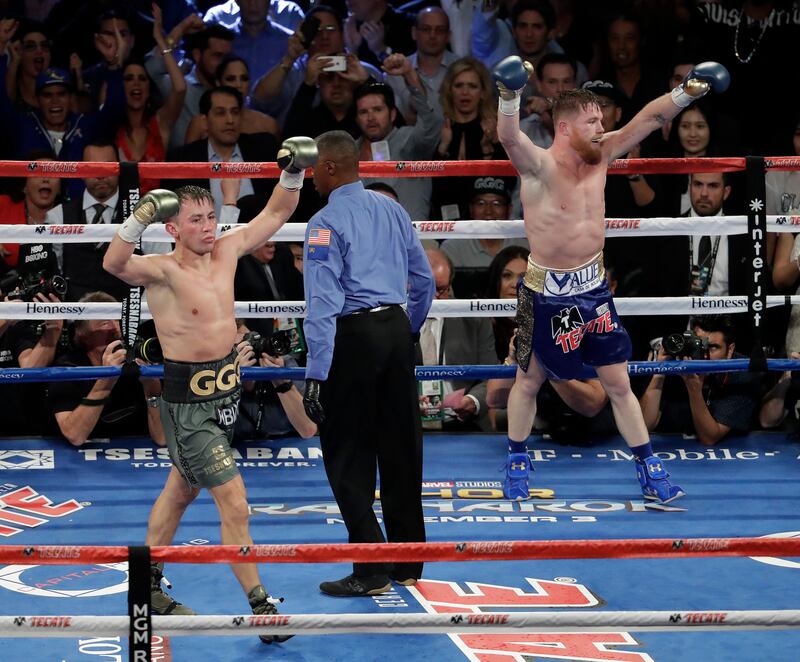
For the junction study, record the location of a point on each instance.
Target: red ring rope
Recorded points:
(79, 169)
(497, 550)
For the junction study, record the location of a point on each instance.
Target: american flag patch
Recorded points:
(319, 238)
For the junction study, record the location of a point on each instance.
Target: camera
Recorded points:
(25, 288)
(148, 349)
(278, 344)
(685, 345)
(336, 63)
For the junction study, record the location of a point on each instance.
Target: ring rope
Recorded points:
(421, 373)
(421, 623)
(499, 550)
(200, 170)
(466, 229)
(36, 310)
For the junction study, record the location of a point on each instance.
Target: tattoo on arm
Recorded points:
(659, 119)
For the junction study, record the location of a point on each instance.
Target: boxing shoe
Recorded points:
(161, 602)
(654, 479)
(515, 484)
(352, 586)
(260, 604)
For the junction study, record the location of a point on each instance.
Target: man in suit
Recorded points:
(454, 341)
(267, 274)
(82, 263)
(226, 144)
(708, 265)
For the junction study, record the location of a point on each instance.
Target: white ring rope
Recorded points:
(421, 623)
(34, 310)
(615, 227)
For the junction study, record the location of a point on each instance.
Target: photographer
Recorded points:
(780, 405)
(26, 344)
(709, 405)
(107, 407)
(270, 408)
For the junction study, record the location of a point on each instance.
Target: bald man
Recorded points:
(455, 341)
(363, 262)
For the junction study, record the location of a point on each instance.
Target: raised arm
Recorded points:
(295, 155)
(168, 113)
(158, 205)
(704, 77)
(511, 75)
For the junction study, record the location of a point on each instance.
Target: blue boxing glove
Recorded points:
(511, 76)
(702, 78)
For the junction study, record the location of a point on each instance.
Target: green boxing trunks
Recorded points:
(199, 406)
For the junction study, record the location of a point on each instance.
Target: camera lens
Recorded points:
(673, 344)
(279, 343)
(150, 350)
(58, 285)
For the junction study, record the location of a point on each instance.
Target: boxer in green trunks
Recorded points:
(199, 406)
(190, 296)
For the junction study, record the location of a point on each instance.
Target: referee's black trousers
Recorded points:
(373, 421)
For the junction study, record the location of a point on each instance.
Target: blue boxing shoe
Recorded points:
(515, 484)
(654, 479)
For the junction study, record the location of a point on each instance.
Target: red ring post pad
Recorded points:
(497, 550)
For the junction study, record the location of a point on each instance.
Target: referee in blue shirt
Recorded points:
(363, 263)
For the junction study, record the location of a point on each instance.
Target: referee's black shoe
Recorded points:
(352, 586)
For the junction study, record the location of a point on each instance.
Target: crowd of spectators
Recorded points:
(190, 80)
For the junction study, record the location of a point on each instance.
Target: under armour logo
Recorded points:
(216, 167)
(517, 466)
(19, 621)
(455, 620)
(654, 468)
(28, 551)
(675, 618)
(244, 550)
(400, 166)
(40, 229)
(460, 547)
(238, 620)
(677, 544)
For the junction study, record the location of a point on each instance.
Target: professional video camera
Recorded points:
(278, 344)
(685, 345)
(27, 286)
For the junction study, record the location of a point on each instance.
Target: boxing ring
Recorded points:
(585, 570)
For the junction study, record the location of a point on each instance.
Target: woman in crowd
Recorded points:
(28, 205)
(469, 131)
(692, 136)
(146, 128)
(233, 72)
(505, 272)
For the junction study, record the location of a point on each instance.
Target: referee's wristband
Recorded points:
(93, 402)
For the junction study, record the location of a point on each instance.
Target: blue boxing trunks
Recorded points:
(568, 321)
